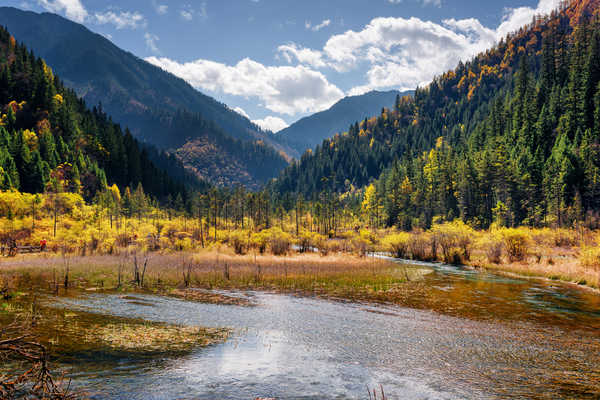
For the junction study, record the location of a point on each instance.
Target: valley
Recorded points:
(425, 223)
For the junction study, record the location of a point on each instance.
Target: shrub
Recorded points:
(493, 250)
(259, 241)
(360, 246)
(590, 257)
(279, 246)
(455, 240)
(565, 238)
(279, 242)
(398, 244)
(308, 241)
(516, 244)
(239, 241)
(419, 244)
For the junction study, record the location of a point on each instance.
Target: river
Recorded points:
(461, 335)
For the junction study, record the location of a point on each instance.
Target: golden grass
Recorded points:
(556, 264)
(339, 275)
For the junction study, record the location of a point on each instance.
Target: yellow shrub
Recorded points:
(239, 241)
(279, 241)
(307, 241)
(492, 246)
(455, 239)
(590, 257)
(398, 244)
(516, 243)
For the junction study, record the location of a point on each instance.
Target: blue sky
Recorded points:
(278, 60)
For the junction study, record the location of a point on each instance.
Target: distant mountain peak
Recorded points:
(310, 131)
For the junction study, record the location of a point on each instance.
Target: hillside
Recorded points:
(310, 131)
(50, 141)
(510, 137)
(135, 93)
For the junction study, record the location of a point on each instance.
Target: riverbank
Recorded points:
(556, 254)
(168, 273)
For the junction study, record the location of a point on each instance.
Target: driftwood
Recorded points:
(34, 379)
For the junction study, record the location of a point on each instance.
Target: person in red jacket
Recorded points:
(43, 244)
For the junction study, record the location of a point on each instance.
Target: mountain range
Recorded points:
(310, 131)
(152, 103)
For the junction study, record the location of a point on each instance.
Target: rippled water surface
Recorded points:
(461, 334)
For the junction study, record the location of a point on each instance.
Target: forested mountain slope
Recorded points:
(512, 136)
(50, 141)
(310, 131)
(152, 102)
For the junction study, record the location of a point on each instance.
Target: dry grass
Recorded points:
(552, 263)
(339, 275)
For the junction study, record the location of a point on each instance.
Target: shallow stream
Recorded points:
(461, 334)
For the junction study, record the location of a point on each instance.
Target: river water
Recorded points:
(460, 335)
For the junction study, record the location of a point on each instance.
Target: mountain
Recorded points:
(137, 94)
(49, 140)
(510, 137)
(310, 131)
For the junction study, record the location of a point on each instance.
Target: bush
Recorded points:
(590, 257)
(239, 241)
(308, 241)
(455, 240)
(360, 246)
(280, 246)
(493, 250)
(398, 244)
(516, 244)
(418, 245)
(259, 241)
(565, 238)
(277, 241)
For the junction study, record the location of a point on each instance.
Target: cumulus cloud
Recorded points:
(161, 9)
(242, 112)
(270, 123)
(405, 53)
(517, 17)
(73, 9)
(292, 51)
(120, 19)
(284, 90)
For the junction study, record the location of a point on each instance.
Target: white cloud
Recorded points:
(284, 90)
(270, 123)
(304, 55)
(316, 28)
(73, 9)
(121, 19)
(186, 14)
(437, 3)
(151, 40)
(405, 53)
(517, 17)
(242, 112)
(162, 9)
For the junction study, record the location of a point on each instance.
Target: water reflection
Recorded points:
(521, 338)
